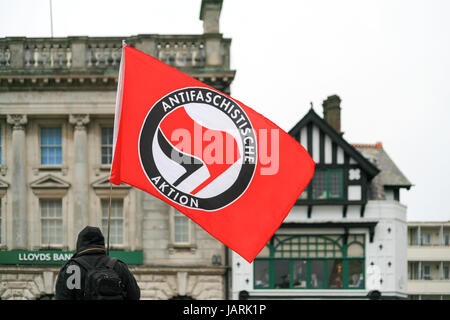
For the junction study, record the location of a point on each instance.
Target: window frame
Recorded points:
(102, 127)
(42, 127)
(446, 272)
(428, 275)
(423, 236)
(51, 245)
(345, 278)
(174, 214)
(122, 218)
(327, 189)
(102, 191)
(190, 244)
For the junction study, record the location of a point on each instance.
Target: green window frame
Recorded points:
(331, 182)
(311, 262)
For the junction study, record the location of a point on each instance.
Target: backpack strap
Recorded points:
(83, 263)
(111, 263)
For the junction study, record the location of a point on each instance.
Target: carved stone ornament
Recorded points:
(79, 120)
(18, 121)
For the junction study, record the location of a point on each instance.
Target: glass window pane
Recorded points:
(319, 185)
(316, 278)
(106, 148)
(51, 222)
(51, 150)
(335, 183)
(355, 250)
(356, 274)
(281, 273)
(299, 274)
(181, 228)
(334, 270)
(261, 274)
(116, 230)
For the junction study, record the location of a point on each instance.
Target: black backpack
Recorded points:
(102, 282)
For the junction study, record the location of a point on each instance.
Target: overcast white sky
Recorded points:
(389, 61)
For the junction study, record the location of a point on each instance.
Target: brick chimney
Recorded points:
(332, 112)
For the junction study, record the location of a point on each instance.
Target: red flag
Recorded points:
(226, 167)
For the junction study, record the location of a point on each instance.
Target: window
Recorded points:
(327, 184)
(426, 239)
(281, 273)
(356, 273)
(413, 269)
(51, 222)
(107, 143)
(51, 146)
(116, 221)
(426, 273)
(311, 262)
(316, 278)
(181, 228)
(446, 239)
(446, 273)
(412, 232)
(262, 274)
(334, 274)
(299, 274)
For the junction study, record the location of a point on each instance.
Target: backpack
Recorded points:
(102, 282)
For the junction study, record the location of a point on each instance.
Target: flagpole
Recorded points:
(109, 217)
(51, 19)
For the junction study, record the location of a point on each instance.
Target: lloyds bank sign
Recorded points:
(53, 257)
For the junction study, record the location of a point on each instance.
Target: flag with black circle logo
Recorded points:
(229, 169)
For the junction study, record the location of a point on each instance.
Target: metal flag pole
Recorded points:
(109, 217)
(51, 19)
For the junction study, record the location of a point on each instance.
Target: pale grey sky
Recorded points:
(389, 61)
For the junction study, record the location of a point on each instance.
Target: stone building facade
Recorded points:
(57, 99)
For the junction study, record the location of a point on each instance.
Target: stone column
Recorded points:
(18, 181)
(80, 174)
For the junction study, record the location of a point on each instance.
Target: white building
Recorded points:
(346, 235)
(429, 260)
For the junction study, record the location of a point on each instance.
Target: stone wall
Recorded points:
(32, 283)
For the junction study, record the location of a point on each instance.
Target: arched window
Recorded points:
(311, 262)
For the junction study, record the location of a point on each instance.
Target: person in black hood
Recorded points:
(70, 284)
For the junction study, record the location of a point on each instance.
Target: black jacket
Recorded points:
(91, 245)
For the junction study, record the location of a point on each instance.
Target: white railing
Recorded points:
(189, 51)
(47, 55)
(182, 53)
(5, 57)
(103, 54)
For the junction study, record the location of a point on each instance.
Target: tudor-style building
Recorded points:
(346, 235)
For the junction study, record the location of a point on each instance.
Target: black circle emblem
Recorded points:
(198, 148)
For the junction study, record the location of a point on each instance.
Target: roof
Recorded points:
(390, 175)
(437, 223)
(313, 117)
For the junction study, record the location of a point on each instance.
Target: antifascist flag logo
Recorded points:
(198, 148)
(222, 164)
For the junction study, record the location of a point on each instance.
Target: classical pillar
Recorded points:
(80, 175)
(18, 181)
